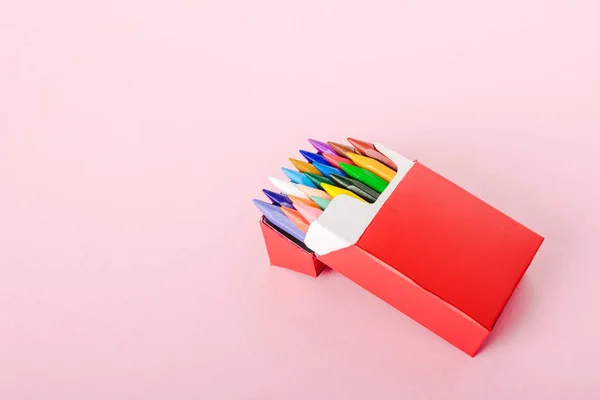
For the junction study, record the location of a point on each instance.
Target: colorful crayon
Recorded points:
(298, 177)
(309, 213)
(342, 149)
(376, 167)
(276, 216)
(321, 147)
(310, 192)
(364, 176)
(336, 191)
(278, 198)
(369, 150)
(303, 166)
(326, 170)
(356, 187)
(308, 202)
(296, 218)
(335, 160)
(287, 188)
(314, 158)
(318, 179)
(321, 202)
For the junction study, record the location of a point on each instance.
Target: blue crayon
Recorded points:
(278, 198)
(314, 158)
(298, 177)
(327, 170)
(279, 219)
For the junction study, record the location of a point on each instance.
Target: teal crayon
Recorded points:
(321, 202)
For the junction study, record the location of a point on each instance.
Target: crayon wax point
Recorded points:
(310, 192)
(318, 179)
(326, 170)
(275, 215)
(369, 150)
(309, 213)
(367, 177)
(298, 177)
(321, 147)
(335, 160)
(308, 202)
(321, 202)
(341, 149)
(278, 198)
(314, 158)
(337, 191)
(287, 188)
(303, 166)
(296, 218)
(370, 164)
(358, 188)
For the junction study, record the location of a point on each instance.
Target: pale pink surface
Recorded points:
(131, 261)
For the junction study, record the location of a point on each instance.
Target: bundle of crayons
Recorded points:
(359, 171)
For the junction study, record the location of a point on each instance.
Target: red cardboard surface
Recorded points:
(435, 252)
(452, 244)
(287, 254)
(400, 292)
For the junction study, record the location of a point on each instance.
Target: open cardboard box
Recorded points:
(427, 247)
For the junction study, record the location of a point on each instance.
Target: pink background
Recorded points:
(133, 135)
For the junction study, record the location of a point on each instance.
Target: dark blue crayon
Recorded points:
(279, 219)
(278, 198)
(327, 170)
(298, 177)
(314, 158)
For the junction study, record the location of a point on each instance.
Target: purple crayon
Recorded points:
(279, 219)
(321, 147)
(278, 198)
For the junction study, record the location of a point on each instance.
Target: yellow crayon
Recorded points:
(304, 166)
(370, 164)
(334, 191)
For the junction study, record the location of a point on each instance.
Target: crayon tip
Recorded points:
(277, 217)
(296, 218)
(278, 198)
(337, 191)
(309, 213)
(327, 170)
(318, 179)
(287, 188)
(376, 167)
(360, 145)
(303, 166)
(310, 192)
(369, 150)
(335, 160)
(367, 177)
(341, 149)
(355, 186)
(321, 147)
(297, 177)
(321, 202)
(297, 200)
(314, 158)
(265, 207)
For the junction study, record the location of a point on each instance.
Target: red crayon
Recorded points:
(336, 160)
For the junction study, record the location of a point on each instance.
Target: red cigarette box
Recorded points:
(427, 247)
